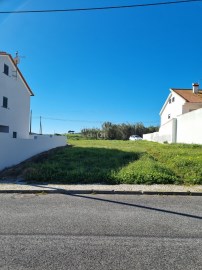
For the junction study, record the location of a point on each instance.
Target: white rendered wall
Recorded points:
(14, 151)
(153, 137)
(167, 133)
(189, 127)
(186, 128)
(173, 109)
(16, 116)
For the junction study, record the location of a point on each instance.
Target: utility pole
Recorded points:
(40, 128)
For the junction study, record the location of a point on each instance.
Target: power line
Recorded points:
(79, 121)
(99, 8)
(67, 120)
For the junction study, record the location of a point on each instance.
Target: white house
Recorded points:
(181, 101)
(16, 144)
(14, 98)
(181, 117)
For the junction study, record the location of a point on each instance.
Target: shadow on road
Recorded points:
(75, 194)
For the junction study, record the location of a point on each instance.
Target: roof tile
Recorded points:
(188, 95)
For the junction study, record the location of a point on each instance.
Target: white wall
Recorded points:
(173, 109)
(177, 107)
(16, 116)
(186, 128)
(189, 127)
(14, 151)
(167, 133)
(154, 137)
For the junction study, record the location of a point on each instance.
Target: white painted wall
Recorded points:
(189, 127)
(186, 128)
(14, 151)
(167, 133)
(16, 116)
(176, 108)
(173, 109)
(153, 137)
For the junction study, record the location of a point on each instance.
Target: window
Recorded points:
(6, 69)
(5, 102)
(169, 100)
(4, 129)
(169, 116)
(14, 134)
(173, 99)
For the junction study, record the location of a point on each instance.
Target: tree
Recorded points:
(122, 131)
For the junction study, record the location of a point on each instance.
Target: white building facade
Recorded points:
(14, 99)
(181, 117)
(181, 101)
(16, 143)
(172, 107)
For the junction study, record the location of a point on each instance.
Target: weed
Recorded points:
(115, 162)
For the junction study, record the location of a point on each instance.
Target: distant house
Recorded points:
(16, 143)
(181, 101)
(14, 99)
(181, 117)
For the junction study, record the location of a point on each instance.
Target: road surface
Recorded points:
(59, 231)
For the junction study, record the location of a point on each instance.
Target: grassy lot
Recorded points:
(114, 162)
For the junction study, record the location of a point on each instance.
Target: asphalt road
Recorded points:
(100, 232)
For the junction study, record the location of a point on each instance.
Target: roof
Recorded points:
(188, 95)
(19, 72)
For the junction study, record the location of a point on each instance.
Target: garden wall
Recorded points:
(14, 151)
(186, 128)
(189, 127)
(167, 133)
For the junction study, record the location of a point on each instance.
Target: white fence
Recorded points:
(186, 128)
(14, 151)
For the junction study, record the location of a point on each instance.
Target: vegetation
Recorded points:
(115, 162)
(111, 131)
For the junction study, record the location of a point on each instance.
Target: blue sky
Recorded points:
(113, 65)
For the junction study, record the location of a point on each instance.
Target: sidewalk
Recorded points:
(17, 186)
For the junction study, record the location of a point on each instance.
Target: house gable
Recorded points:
(18, 72)
(14, 99)
(172, 107)
(180, 101)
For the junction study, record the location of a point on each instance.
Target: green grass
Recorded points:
(115, 162)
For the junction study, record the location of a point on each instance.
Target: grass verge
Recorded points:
(115, 162)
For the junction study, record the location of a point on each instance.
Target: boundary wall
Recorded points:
(189, 127)
(14, 151)
(186, 128)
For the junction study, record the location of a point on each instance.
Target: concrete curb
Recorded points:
(104, 192)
